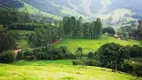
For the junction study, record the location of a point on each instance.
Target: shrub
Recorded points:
(135, 51)
(109, 30)
(7, 57)
(28, 55)
(88, 62)
(20, 56)
(76, 62)
(90, 55)
(41, 56)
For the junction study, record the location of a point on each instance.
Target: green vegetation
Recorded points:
(57, 70)
(90, 45)
(7, 42)
(78, 29)
(70, 38)
(6, 57)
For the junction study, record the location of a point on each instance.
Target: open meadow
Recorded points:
(57, 70)
(91, 45)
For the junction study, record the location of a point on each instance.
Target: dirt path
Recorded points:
(15, 52)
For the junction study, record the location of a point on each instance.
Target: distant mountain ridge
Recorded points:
(85, 8)
(11, 3)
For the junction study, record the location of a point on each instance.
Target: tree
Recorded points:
(109, 30)
(67, 25)
(80, 56)
(112, 55)
(6, 41)
(123, 33)
(98, 28)
(139, 29)
(73, 27)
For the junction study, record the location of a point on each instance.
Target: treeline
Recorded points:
(8, 16)
(45, 53)
(27, 26)
(78, 29)
(45, 36)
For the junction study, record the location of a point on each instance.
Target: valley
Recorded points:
(70, 40)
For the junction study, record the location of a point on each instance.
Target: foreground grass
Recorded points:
(92, 45)
(57, 70)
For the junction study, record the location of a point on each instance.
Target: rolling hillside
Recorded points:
(89, 45)
(57, 70)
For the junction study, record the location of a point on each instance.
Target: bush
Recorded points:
(88, 62)
(109, 30)
(92, 63)
(26, 55)
(7, 57)
(90, 55)
(135, 51)
(41, 56)
(20, 56)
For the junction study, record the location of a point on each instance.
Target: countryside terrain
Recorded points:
(58, 70)
(70, 40)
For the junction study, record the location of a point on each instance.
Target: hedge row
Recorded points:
(46, 53)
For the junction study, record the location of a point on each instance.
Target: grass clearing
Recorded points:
(57, 70)
(92, 45)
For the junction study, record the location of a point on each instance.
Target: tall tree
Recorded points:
(98, 28)
(73, 27)
(140, 29)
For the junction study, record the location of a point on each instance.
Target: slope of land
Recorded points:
(92, 45)
(57, 70)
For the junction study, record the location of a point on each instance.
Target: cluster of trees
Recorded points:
(135, 51)
(112, 55)
(26, 26)
(6, 40)
(45, 53)
(76, 28)
(132, 31)
(45, 36)
(109, 30)
(8, 16)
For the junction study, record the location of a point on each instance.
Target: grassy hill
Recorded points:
(57, 70)
(92, 45)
